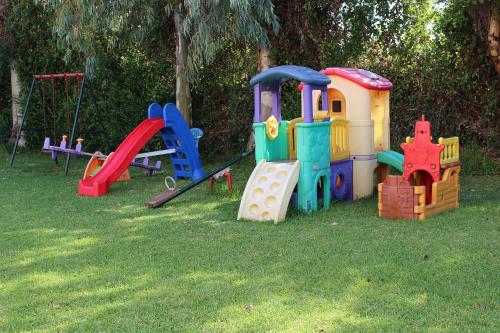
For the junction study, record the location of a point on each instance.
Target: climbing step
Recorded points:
(269, 190)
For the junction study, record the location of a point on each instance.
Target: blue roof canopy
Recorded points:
(277, 75)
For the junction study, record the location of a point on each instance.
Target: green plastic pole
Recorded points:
(75, 120)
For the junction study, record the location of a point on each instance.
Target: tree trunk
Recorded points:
(16, 108)
(182, 87)
(493, 38)
(267, 104)
(485, 18)
(265, 62)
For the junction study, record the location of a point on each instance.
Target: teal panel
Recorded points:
(313, 143)
(308, 188)
(271, 150)
(313, 152)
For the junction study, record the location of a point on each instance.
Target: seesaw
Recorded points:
(78, 150)
(172, 192)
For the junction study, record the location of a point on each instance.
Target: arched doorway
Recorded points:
(323, 192)
(423, 178)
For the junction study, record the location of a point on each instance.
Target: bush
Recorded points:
(476, 161)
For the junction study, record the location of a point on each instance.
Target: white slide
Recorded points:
(269, 190)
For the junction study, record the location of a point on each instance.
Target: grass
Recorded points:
(70, 263)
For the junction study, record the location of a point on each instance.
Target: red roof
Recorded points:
(364, 78)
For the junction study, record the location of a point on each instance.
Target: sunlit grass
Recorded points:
(70, 263)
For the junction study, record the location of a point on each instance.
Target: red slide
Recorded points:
(120, 160)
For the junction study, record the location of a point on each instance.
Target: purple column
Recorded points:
(256, 103)
(276, 99)
(324, 99)
(308, 111)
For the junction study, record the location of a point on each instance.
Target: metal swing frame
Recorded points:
(34, 84)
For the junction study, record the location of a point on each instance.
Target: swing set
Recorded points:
(39, 82)
(65, 146)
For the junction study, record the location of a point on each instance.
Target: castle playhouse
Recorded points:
(421, 191)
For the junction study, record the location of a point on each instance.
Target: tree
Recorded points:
(6, 39)
(486, 19)
(198, 27)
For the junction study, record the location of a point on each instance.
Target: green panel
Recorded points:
(308, 189)
(313, 152)
(313, 143)
(271, 150)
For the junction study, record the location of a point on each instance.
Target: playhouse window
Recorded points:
(337, 106)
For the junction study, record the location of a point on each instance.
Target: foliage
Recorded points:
(476, 160)
(206, 25)
(209, 25)
(83, 28)
(430, 52)
(335, 33)
(125, 82)
(223, 102)
(201, 29)
(439, 71)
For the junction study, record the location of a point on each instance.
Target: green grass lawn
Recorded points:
(70, 263)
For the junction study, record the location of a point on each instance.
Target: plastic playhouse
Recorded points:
(430, 180)
(330, 152)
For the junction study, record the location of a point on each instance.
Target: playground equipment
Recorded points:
(269, 190)
(170, 193)
(95, 164)
(197, 134)
(421, 191)
(98, 159)
(226, 173)
(177, 137)
(39, 82)
(340, 139)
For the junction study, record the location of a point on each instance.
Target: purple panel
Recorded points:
(343, 170)
(324, 99)
(308, 113)
(145, 165)
(257, 101)
(46, 143)
(276, 98)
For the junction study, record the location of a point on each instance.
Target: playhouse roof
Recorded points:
(362, 77)
(280, 74)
